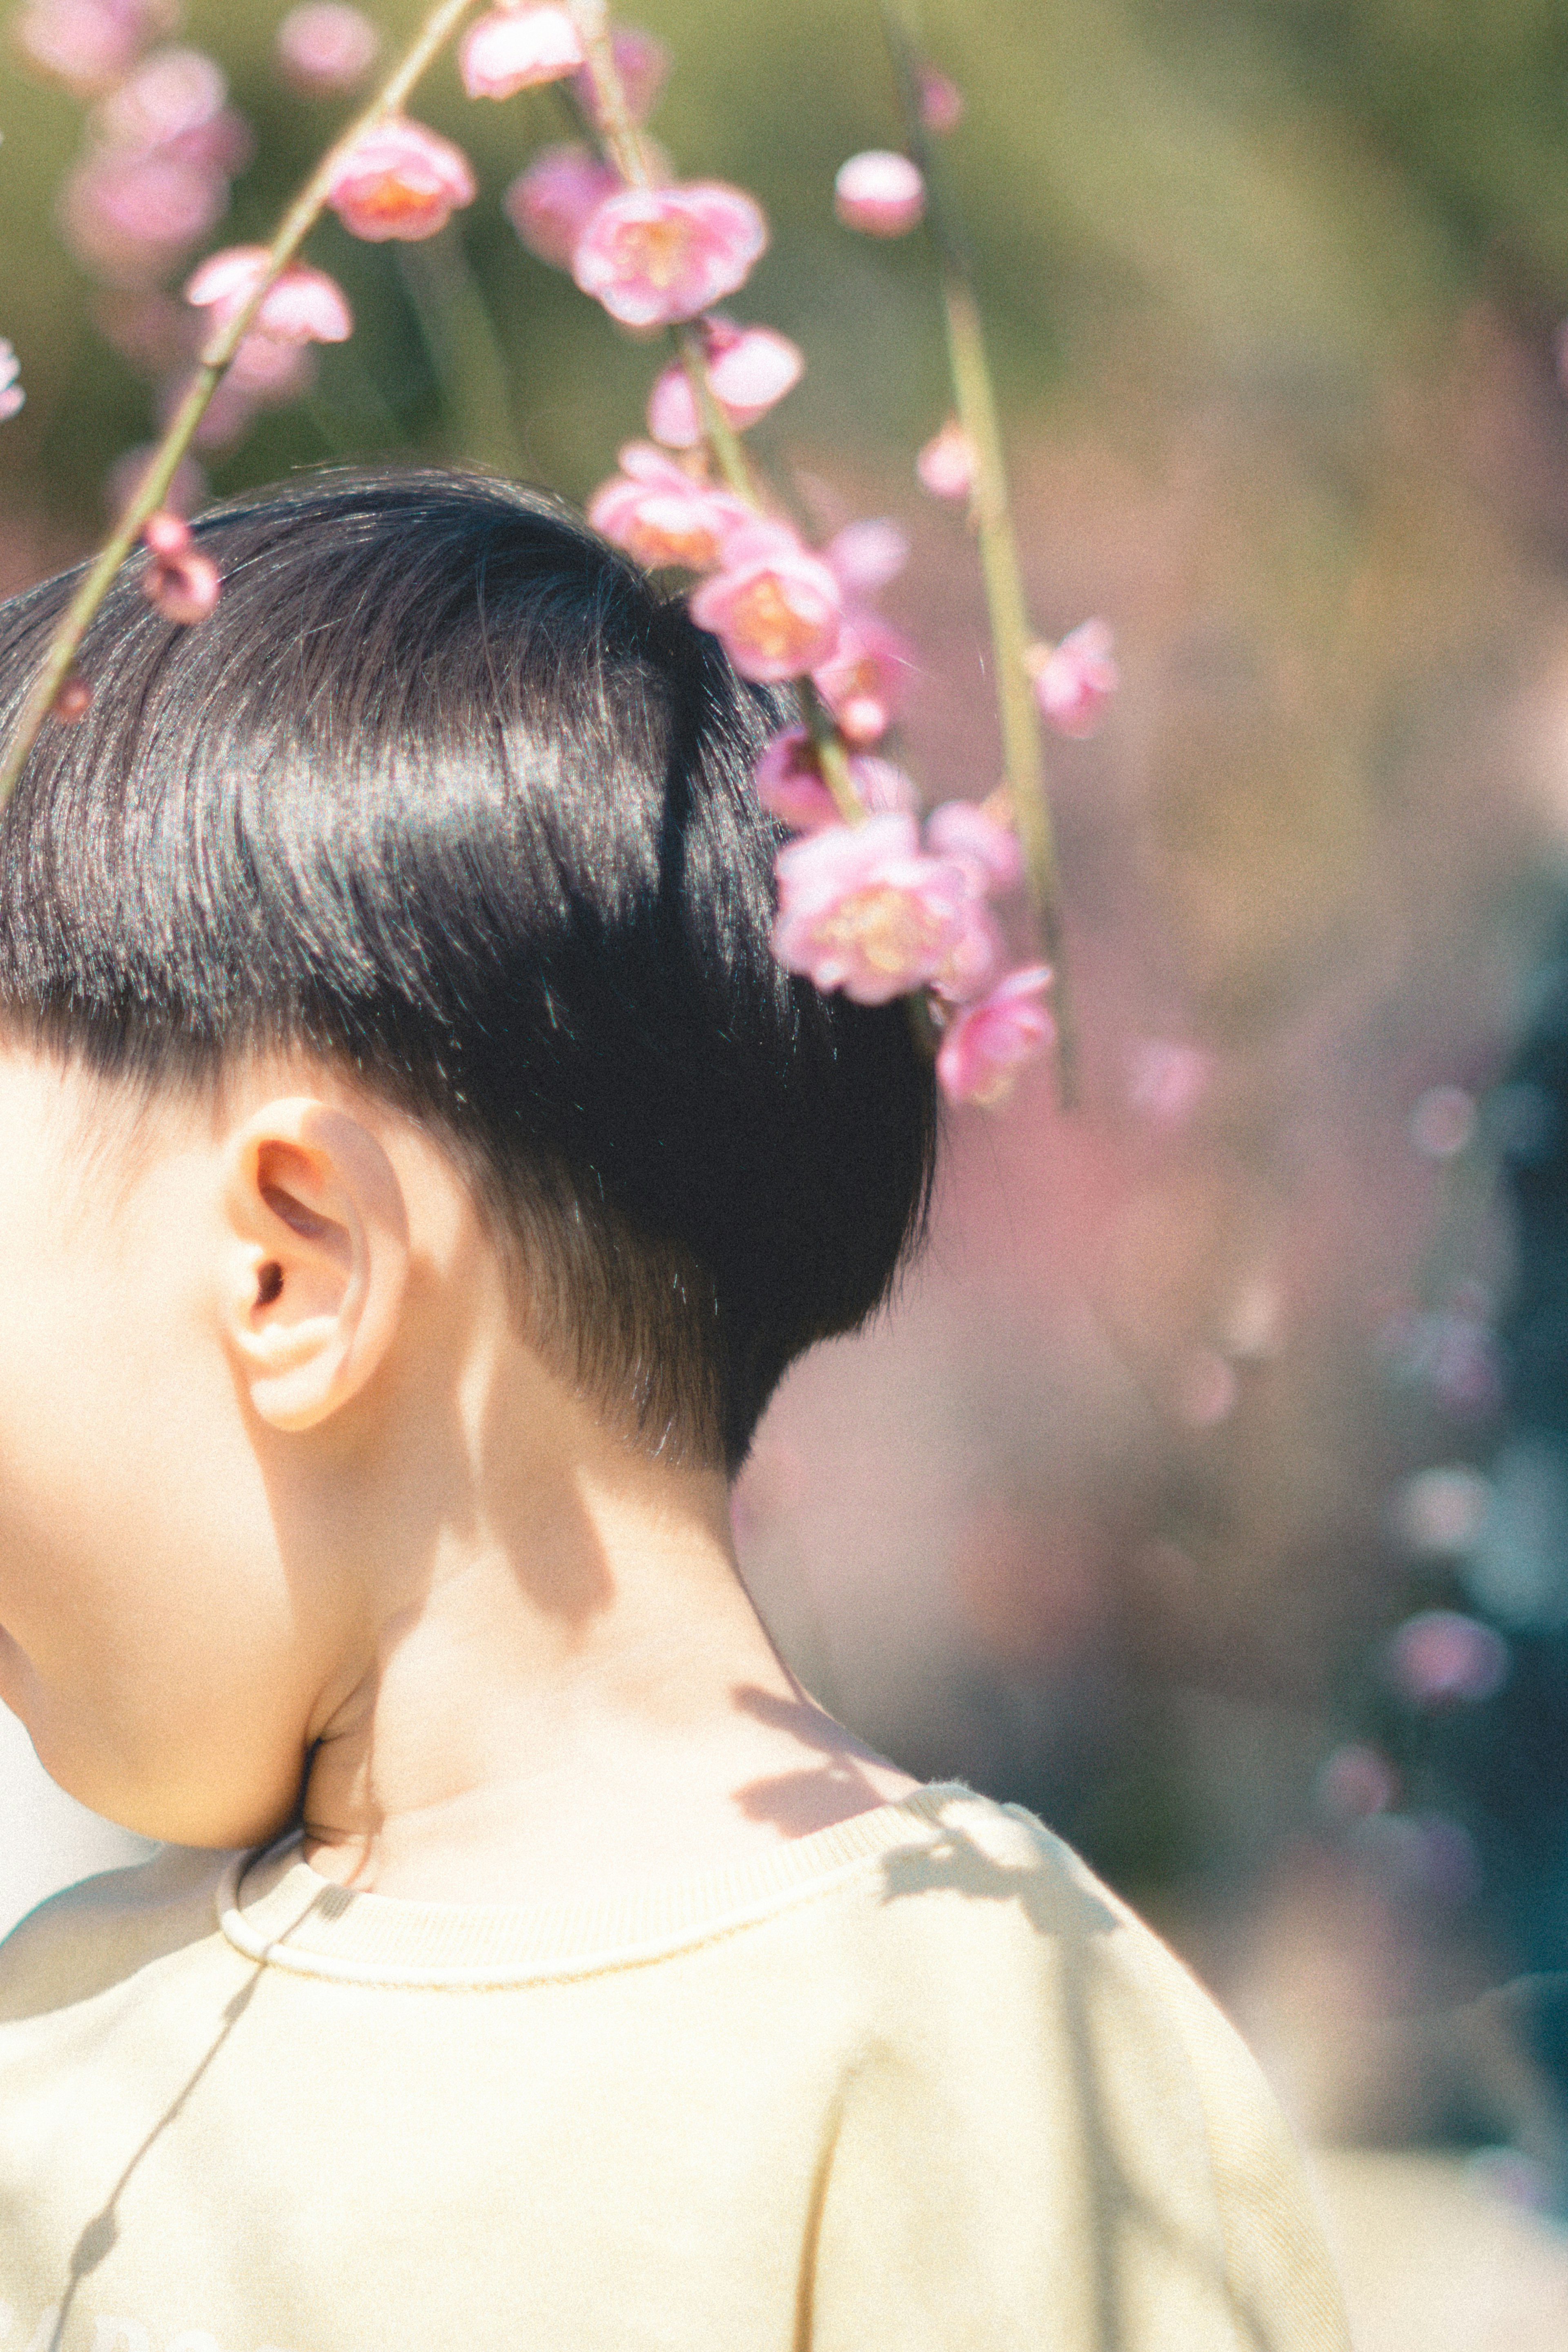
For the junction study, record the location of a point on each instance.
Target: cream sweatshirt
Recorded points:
(914, 2083)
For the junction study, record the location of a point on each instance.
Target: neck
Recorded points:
(573, 1690)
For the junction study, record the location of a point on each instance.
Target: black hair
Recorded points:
(447, 789)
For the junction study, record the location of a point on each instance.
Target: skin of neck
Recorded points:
(295, 1524)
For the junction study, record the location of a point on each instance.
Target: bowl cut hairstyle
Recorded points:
(448, 792)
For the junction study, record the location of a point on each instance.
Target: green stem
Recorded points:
(1023, 753)
(219, 350)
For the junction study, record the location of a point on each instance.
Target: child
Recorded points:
(415, 1174)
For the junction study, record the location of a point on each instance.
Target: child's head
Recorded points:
(445, 811)
(446, 793)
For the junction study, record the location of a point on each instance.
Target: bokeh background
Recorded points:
(1206, 1489)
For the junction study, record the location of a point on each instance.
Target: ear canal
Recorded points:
(269, 1283)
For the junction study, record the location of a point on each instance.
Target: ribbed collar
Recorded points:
(274, 1908)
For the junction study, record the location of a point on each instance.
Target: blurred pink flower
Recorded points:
(400, 180)
(879, 192)
(130, 219)
(188, 491)
(550, 205)
(660, 515)
(88, 45)
(866, 677)
(229, 415)
(749, 369)
(985, 1046)
(1074, 680)
(326, 48)
(12, 396)
(941, 101)
(861, 909)
(174, 91)
(653, 256)
(180, 583)
(641, 63)
(512, 48)
(152, 330)
(976, 956)
(1440, 1656)
(864, 556)
(302, 305)
(1166, 1080)
(990, 851)
(776, 607)
(946, 464)
(269, 372)
(790, 784)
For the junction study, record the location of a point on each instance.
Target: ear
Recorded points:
(317, 1259)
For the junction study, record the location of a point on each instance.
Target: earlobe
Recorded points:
(318, 1257)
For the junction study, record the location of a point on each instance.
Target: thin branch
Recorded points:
(1023, 753)
(217, 353)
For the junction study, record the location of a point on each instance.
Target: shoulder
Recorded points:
(94, 1934)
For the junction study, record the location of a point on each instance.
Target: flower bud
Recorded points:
(879, 193)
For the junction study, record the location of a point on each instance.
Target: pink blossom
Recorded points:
(880, 193)
(173, 92)
(271, 372)
(302, 305)
(229, 415)
(550, 203)
(974, 958)
(641, 63)
(861, 909)
(1074, 681)
(88, 45)
(660, 515)
(983, 1049)
(941, 101)
(130, 219)
(864, 556)
(12, 396)
(325, 47)
(790, 784)
(1441, 1655)
(653, 256)
(187, 491)
(865, 677)
(179, 583)
(947, 466)
(749, 369)
(775, 606)
(990, 851)
(400, 180)
(512, 48)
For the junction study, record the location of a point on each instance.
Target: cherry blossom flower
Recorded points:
(790, 784)
(88, 45)
(326, 48)
(864, 556)
(989, 850)
(400, 180)
(985, 1045)
(861, 909)
(941, 101)
(641, 65)
(653, 256)
(188, 489)
(550, 203)
(1075, 680)
(880, 193)
(972, 961)
(269, 372)
(12, 396)
(130, 219)
(865, 678)
(512, 48)
(180, 583)
(776, 607)
(302, 305)
(947, 466)
(173, 93)
(659, 514)
(749, 369)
